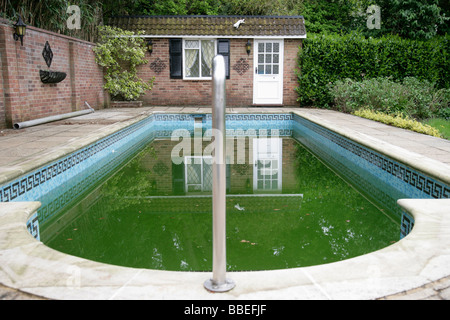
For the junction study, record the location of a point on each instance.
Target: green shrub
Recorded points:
(325, 59)
(427, 100)
(119, 52)
(411, 97)
(398, 120)
(444, 113)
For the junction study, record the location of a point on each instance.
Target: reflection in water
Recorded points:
(157, 214)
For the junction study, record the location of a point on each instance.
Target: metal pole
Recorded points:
(219, 282)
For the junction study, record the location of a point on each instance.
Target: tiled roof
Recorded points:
(219, 26)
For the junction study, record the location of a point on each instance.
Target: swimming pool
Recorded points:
(158, 216)
(381, 179)
(416, 260)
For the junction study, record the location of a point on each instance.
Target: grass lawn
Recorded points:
(441, 124)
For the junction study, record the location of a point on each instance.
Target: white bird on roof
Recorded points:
(237, 24)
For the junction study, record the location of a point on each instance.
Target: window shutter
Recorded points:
(223, 48)
(176, 58)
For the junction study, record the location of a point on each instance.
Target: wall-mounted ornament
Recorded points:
(47, 53)
(241, 66)
(48, 76)
(160, 168)
(158, 65)
(242, 169)
(51, 76)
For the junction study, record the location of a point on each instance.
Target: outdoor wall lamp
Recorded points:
(20, 29)
(248, 47)
(150, 46)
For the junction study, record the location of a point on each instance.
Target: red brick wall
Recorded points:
(289, 74)
(168, 91)
(23, 94)
(2, 96)
(240, 87)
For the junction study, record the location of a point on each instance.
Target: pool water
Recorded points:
(284, 210)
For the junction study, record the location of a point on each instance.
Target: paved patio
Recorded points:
(29, 147)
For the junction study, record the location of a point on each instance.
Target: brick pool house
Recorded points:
(260, 54)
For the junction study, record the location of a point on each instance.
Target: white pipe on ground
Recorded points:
(30, 123)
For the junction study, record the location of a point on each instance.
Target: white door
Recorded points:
(267, 164)
(268, 73)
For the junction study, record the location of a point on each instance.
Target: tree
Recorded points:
(413, 19)
(53, 15)
(333, 16)
(445, 6)
(160, 7)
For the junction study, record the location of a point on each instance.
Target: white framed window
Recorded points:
(268, 57)
(198, 173)
(198, 55)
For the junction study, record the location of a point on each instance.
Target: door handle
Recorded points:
(256, 70)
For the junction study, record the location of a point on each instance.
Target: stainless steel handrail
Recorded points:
(219, 282)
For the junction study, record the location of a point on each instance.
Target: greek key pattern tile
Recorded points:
(260, 117)
(33, 226)
(406, 225)
(173, 117)
(21, 186)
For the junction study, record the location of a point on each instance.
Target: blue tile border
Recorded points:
(428, 186)
(18, 189)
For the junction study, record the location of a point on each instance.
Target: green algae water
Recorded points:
(284, 210)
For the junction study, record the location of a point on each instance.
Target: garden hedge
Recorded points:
(324, 59)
